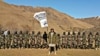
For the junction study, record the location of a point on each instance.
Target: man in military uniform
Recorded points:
(14, 40)
(84, 41)
(38, 39)
(64, 40)
(90, 40)
(1, 40)
(79, 40)
(74, 40)
(97, 41)
(20, 39)
(26, 39)
(52, 40)
(44, 41)
(69, 40)
(32, 40)
(59, 42)
(8, 40)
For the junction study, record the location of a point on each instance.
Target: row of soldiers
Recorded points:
(80, 40)
(66, 40)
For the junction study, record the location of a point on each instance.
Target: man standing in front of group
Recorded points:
(52, 40)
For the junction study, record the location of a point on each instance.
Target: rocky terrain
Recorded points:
(13, 17)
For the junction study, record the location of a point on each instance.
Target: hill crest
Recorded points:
(15, 17)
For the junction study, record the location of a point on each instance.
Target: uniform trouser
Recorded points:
(79, 45)
(19, 45)
(69, 44)
(64, 45)
(2, 45)
(90, 45)
(84, 46)
(15, 45)
(8, 46)
(97, 44)
(74, 44)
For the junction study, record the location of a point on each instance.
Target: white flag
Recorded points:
(41, 17)
(44, 23)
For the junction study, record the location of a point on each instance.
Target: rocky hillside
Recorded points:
(13, 17)
(94, 21)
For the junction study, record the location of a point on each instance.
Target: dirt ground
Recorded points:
(44, 52)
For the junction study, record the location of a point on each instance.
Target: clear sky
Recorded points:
(74, 8)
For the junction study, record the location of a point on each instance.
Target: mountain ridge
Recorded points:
(15, 17)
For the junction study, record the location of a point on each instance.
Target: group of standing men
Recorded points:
(52, 39)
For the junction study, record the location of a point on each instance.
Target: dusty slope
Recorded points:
(14, 17)
(44, 52)
(94, 21)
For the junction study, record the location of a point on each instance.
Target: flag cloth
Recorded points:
(41, 17)
(44, 23)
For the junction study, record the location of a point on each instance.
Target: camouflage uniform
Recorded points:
(8, 40)
(20, 40)
(1, 41)
(32, 40)
(52, 39)
(14, 42)
(85, 40)
(38, 40)
(64, 40)
(90, 40)
(97, 40)
(74, 40)
(69, 40)
(79, 40)
(26, 39)
(59, 41)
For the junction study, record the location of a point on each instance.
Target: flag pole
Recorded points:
(47, 29)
